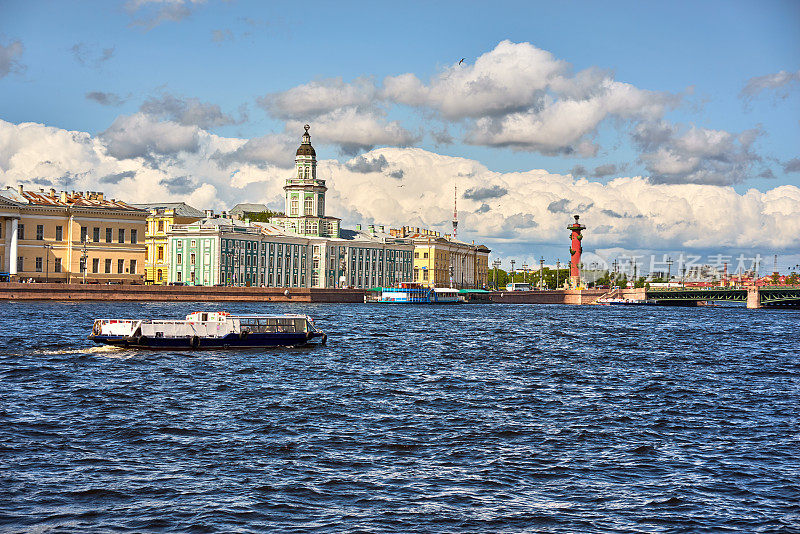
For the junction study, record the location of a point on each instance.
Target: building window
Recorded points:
(133, 264)
(179, 244)
(38, 264)
(192, 276)
(108, 266)
(121, 236)
(39, 232)
(160, 275)
(160, 253)
(194, 243)
(180, 276)
(96, 234)
(134, 235)
(425, 274)
(95, 265)
(109, 235)
(59, 233)
(120, 266)
(57, 265)
(180, 258)
(160, 227)
(191, 259)
(20, 264)
(21, 231)
(294, 207)
(424, 255)
(309, 206)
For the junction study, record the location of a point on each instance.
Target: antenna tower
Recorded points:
(455, 210)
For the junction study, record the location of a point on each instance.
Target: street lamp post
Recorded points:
(85, 265)
(496, 264)
(512, 272)
(541, 273)
(47, 248)
(558, 273)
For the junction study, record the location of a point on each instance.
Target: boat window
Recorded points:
(300, 325)
(204, 317)
(272, 322)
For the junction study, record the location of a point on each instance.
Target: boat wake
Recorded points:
(106, 350)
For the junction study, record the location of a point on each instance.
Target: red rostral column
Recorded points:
(575, 250)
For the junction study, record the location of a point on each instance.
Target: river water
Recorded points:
(491, 418)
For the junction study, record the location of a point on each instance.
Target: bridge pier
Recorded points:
(753, 298)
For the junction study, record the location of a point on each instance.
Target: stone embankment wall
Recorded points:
(89, 292)
(78, 292)
(561, 296)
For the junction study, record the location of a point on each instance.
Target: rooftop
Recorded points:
(64, 199)
(181, 209)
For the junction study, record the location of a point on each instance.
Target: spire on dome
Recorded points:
(305, 146)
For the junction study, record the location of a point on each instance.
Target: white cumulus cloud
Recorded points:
(141, 161)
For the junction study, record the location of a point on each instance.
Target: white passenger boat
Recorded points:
(412, 293)
(207, 330)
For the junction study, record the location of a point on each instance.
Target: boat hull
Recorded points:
(231, 341)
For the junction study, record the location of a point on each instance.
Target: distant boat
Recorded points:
(412, 293)
(208, 330)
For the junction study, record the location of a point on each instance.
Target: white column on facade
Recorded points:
(13, 248)
(7, 238)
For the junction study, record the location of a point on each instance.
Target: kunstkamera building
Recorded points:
(302, 248)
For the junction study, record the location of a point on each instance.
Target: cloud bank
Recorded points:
(141, 159)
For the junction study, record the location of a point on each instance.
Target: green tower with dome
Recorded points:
(305, 197)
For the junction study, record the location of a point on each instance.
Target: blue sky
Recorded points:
(691, 61)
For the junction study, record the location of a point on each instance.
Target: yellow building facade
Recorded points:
(160, 220)
(70, 237)
(440, 261)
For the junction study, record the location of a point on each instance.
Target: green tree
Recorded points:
(261, 216)
(604, 280)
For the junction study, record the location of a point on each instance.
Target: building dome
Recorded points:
(305, 148)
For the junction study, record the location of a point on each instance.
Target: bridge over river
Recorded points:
(755, 297)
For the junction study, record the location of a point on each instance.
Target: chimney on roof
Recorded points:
(209, 213)
(63, 196)
(358, 227)
(21, 189)
(371, 228)
(52, 192)
(382, 228)
(100, 195)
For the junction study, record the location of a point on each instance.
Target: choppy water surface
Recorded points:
(495, 418)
